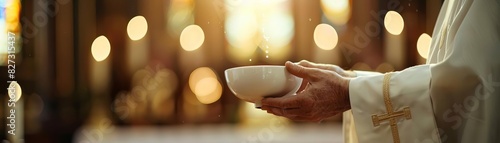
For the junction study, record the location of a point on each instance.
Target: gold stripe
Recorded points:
(391, 115)
(395, 132)
(407, 113)
(387, 98)
(388, 106)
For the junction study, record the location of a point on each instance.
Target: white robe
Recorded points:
(453, 97)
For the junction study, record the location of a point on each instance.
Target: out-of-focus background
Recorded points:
(153, 70)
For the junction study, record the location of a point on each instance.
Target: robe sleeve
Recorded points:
(348, 128)
(366, 73)
(408, 88)
(468, 72)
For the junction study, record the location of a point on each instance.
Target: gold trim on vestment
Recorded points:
(391, 115)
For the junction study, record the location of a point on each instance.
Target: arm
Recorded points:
(408, 90)
(471, 66)
(454, 95)
(364, 73)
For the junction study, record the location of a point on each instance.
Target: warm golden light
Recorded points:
(12, 11)
(208, 90)
(423, 45)
(384, 67)
(253, 24)
(205, 85)
(15, 91)
(241, 28)
(3, 41)
(101, 48)
(337, 11)
(394, 23)
(361, 66)
(192, 37)
(325, 37)
(137, 28)
(178, 16)
(277, 30)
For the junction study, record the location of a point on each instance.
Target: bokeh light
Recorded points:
(15, 91)
(204, 83)
(205, 86)
(101, 48)
(9, 22)
(180, 19)
(361, 66)
(253, 24)
(241, 28)
(12, 11)
(385, 67)
(278, 27)
(423, 45)
(137, 28)
(157, 85)
(3, 41)
(325, 37)
(192, 37)
(336, 11)
(394, 23)
(179, 15)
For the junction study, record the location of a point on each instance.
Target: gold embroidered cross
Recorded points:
(391, 115)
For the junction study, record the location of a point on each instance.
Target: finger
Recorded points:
(285, 102)
(297, 115)
(308, 64)
(334, 68)
(304, 118)
(300, 71)
(304, 111)
(275, 111)
(305, 82)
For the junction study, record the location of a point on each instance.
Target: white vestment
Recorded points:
(452, 98)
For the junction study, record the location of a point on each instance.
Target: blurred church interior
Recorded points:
(153, 70)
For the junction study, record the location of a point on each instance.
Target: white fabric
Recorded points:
(366, 73)
(456, 93)
(370, 101)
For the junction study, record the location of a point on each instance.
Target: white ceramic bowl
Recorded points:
(252, 83)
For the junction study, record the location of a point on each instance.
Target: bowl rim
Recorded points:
(255, 66)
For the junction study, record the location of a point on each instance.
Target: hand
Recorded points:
(329, 67)
(326, 94)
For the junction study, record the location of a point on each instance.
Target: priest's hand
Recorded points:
(329, 67)
(326, 94)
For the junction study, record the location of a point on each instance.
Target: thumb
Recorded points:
(300, 71)
(308, 64)
(333, 68)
